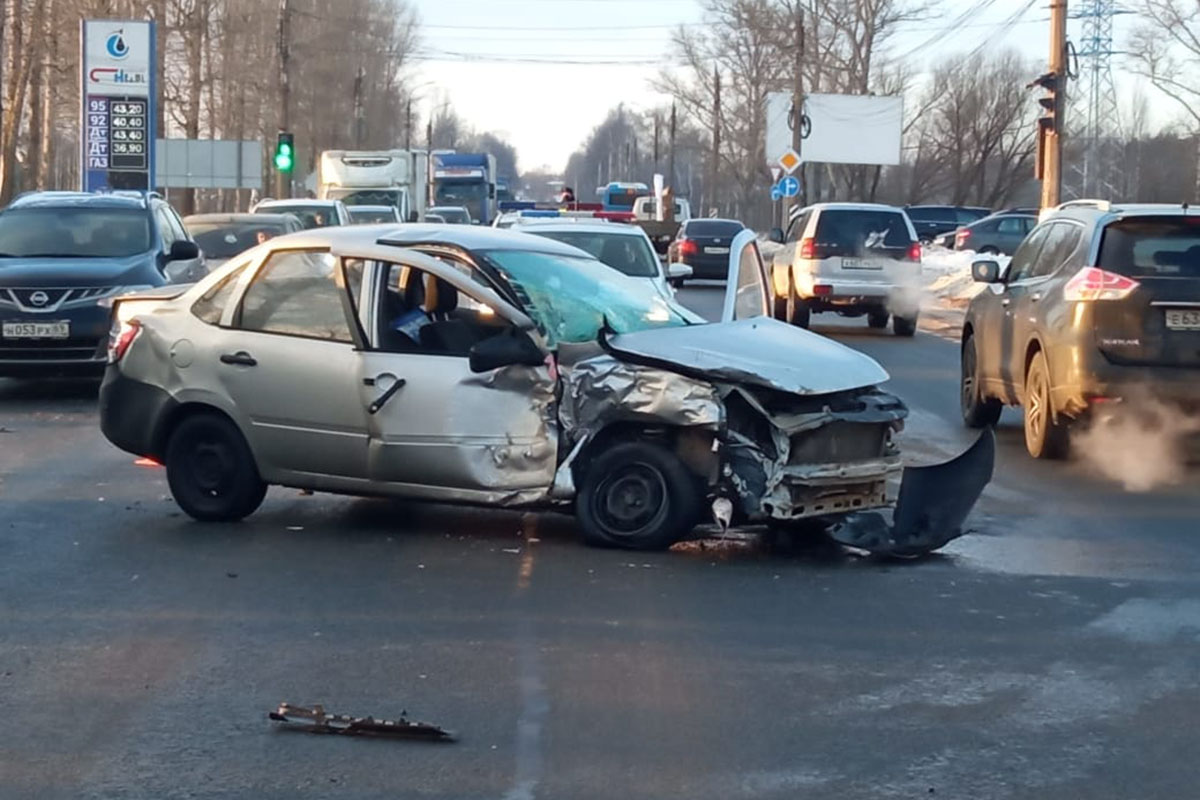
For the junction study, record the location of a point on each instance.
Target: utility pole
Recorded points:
(359, 122)
(1051, 134)
(716, 143)
(657, 126)
(283, 186)
(796, 203)
(671, 152)
(408, 125)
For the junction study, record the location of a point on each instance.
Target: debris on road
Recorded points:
(315, 720)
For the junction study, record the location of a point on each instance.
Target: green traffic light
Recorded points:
(283, 157)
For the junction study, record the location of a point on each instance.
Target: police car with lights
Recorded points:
(64, 256)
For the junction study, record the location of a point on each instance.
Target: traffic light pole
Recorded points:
(283, 182)
(1052, 143)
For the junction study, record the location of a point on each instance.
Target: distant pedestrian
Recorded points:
(568, 195)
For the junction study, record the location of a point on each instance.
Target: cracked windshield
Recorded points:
(600, 398)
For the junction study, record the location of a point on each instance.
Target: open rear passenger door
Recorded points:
(746, 287)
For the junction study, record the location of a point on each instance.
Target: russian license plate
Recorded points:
(1183, 319)
(717, 251)
(861, 263)
(36, 330)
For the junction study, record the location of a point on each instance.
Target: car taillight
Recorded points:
(121, 338)
(687, 247)
(914, 252)
(808, 247)
(1093, 283)
(960, 238)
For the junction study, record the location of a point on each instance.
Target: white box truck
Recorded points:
(397, 178)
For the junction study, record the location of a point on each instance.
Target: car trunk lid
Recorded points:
(1157, 321)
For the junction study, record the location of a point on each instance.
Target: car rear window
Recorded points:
(1148, 247)
(713, 227)
(310, 216)
(932, 214)
(850, 232)
(623, 252)
(48, 232)
(227, 239)
(968, 215)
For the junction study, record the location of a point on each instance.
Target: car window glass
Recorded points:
(1010, 225)
(1152, 247)
(846, 232)
(164, 229)
(797, 229)
(421, 313)
(95, 232)
(630, 254)
(748, 300)
(713, 227)
(1059, 245)
(1029, 223)
(211, 305)
(1023, 259)
(177, 228)
(296, 293)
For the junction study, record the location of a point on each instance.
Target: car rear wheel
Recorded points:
(637, 496)
(780, 308)
(904, 326)
(877, 319)
(976, 411)
(211, 470)
(1045, 437)
(798, 312)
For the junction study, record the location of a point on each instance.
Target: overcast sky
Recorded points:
(497, 61)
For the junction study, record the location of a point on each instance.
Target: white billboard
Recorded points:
(845, 128)
(208, 164)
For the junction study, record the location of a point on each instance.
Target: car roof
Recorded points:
(78, 199)
(297, 202)
(406, 234)
(249, 219)
(354, 208)
(713, 219)
(853, 207)
(1089, 211)
(436, 209)
(559, 225)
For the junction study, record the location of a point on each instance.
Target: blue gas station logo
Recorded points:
(115, 45)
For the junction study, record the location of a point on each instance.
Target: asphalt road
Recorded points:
(1051, 653)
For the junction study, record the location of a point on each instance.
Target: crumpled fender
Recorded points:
(932, 507)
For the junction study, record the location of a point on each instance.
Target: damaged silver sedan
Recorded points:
(481, 366)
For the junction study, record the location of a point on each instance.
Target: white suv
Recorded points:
(852, 259)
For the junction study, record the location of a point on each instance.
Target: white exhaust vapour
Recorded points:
(1142, 443)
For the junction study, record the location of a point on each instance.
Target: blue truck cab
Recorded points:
(620, 195)
(468, 180)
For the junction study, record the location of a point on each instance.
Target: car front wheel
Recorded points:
(976, 411)
(637, 496)
(904, 326)
(211, 470)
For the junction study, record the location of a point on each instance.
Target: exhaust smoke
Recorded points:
(1141, 443)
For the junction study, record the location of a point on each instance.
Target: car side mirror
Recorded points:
(776, 235)
(985, 270)
(678, 273)
(511, 348)
(183, 250)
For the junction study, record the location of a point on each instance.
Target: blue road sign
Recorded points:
(776, 194)
(789, 186)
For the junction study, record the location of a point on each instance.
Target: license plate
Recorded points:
(717, 251)
(36, 330)
(860, 263)
(1183, 319)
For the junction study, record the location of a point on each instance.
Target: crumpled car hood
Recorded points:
(760, 351)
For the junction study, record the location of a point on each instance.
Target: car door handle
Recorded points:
(381, 401)
(1033, 298)
(1005, 302)
(241, 358)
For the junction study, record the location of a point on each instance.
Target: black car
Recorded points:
(932, 221)
(703, 244)
(1100, 307)
(64, 256)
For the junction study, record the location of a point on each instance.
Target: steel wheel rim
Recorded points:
(631, 499)
(210, 467)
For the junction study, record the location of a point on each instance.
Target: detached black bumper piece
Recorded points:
(315, 720)
(132, 413)
(933, 505)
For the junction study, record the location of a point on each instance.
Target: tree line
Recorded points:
(969, 130)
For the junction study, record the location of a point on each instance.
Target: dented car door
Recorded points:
(746, 287)
(436, 428)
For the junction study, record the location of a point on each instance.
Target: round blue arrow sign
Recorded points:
(776, 194)
(789, 186)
